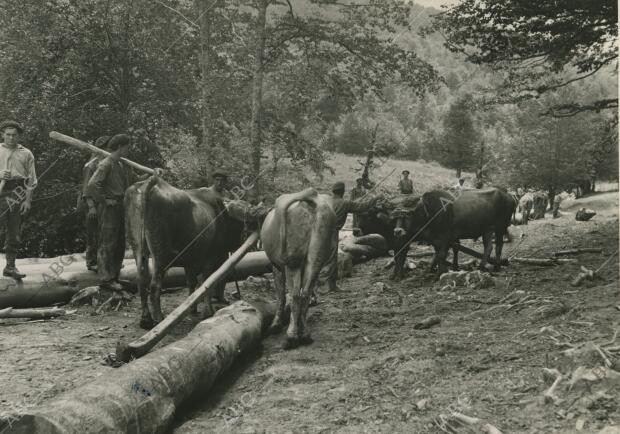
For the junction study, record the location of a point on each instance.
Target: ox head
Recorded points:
(430, 212)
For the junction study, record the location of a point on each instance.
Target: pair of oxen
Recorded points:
(192, 229)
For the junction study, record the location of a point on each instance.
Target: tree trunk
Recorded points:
(144, 395)
(458, 172)
(257, 95)
(204, 59)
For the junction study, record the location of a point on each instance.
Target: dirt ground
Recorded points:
(368, 369)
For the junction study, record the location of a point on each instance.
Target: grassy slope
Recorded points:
(425, 175)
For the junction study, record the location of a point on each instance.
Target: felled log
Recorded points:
(543, 261)
(9, 312)
(143, 396)
(365, 247)
(42, 288)
(578, 251)
(141, 346)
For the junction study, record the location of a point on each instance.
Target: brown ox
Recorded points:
(178, 228)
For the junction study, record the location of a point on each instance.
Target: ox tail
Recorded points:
(150, 183)
(282, 205)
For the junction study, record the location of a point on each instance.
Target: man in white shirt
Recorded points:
(17, 173)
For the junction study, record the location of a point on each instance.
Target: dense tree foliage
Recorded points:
(209, 84)
(543, 45)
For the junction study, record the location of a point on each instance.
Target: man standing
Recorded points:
(107, 186)
(405, 185)
(341, 207)
(87, 205)
(557, 200)
(219, 185)
(356, 193)
(459, 185)
(18, 174)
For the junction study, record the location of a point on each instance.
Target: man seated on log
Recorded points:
(86, 204)
(341, 207)
(107, 186)
(19, 177)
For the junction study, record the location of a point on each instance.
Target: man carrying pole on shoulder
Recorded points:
(107, 187)
(18, 180)
(87, 205)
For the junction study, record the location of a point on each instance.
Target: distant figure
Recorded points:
(87, 205)
(459, 185)
(557, 200)
(405, 185)
(357, 193)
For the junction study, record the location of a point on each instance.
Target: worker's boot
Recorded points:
(11, 270)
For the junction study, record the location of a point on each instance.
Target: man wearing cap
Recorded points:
(341, 207)
(18, 173)
(86, 204)
(405, 185)
(356, 193)
(107, 187)
(218, 187)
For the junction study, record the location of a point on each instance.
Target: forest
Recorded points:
(265, 86)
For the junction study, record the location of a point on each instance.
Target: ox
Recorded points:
(178, 228)
(298, 236)
(443, 220)
(384, 223)
(525, 206)
(540, 203)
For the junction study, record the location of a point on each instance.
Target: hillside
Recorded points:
(425, 175)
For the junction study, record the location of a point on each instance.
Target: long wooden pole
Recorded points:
(87, 147)
(144, 344)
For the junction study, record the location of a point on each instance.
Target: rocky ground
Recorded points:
(370, 369)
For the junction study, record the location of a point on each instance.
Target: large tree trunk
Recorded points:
(202, 6)
(144, 395)
(257, 95)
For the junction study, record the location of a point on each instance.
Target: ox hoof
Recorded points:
(291, 343)
(147, 324)
(305, 340)
(275, 328)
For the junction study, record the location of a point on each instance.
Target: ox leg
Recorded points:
(399, 263)
(488, 247)
(154, 296)
(293, 287)
(146, 321)
(279, 282)
(192, 283)
(441, 254)
(499, 245)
